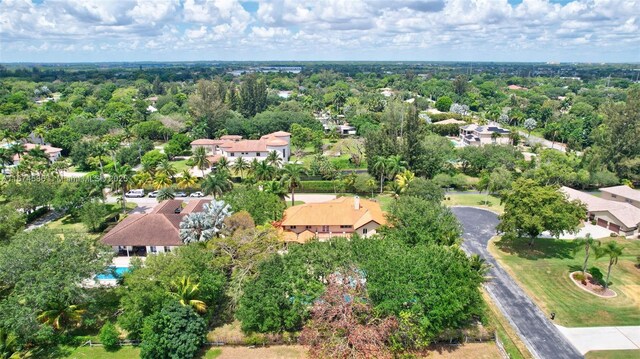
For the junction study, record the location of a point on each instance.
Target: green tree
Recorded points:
(253, 96)
(274, 159)
(11, 221)
(217, 184)
(613, 250)
(165, 194)
(109, 336)
(61, 316)
(264, 206)
(93, 214)
(120, 178)
(291, 178)
(425, 189)
(240, 166)
(444, 103)
(380, 166)
(187, 294)
(173, 332)
(587, 243)
(530, 209)
(419, 221)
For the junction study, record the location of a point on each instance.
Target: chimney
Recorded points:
(356, 202)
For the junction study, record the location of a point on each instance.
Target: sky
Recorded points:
(320, 30)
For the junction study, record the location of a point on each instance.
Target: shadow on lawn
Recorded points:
(542, 248)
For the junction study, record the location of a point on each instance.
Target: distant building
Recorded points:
(343, 130)
(477, 135)
(450, 121)
(341, 217)
(53, 153)
(517, 88)
(615, 215)
(233, 147)
(158, 231)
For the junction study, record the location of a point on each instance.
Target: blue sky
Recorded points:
(427, 30)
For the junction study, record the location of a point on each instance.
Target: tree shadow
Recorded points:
(542, 248)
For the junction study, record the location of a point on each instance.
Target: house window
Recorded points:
(325, 228)
(153, 249)
(307, 227)
(365, 230)
(343, 226)
(167, 249)
(258, 154)
(293, 227)
(233, 154)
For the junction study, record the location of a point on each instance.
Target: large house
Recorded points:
(53, 153)
(622, 194)
(233, 147)
(155, 232)
(340, 217)
(618, 216)
(477, 135)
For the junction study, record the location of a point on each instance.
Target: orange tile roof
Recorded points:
(338, 212)
(302, 237)
(206, 141)
(231, 137)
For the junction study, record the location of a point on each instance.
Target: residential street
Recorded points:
(542, 338)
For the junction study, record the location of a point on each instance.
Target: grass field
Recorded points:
(512, 343)
(543, 271)
(180, 165)
(101, 353)
(73, 224)
(613, 354)
(475, 200)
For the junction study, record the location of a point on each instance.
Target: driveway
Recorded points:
(538, 333)
(594, 230)
(603, 338)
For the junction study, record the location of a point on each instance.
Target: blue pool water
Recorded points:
(113, 273)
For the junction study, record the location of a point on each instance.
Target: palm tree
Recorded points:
(5, 157)
(396, 190)
(587, 243)
(121, 177)
(166, 168)
(38, 153)
(17, 148)
(404, 178)
(614, 251)
(9, 348)
(479, 265)
(264, 171)
(253, 167)
(200, 159)
(141, 179)
(217, 184)
(240, 165)
(380, 166)
(275, 187)
(161, 181)
(148, 168)
(187, 294)
(395, 165)
(274, 159)
(187, 180)
(99, 151)
(223, 165)
(291, 178)
(62, 316)
(165, 194)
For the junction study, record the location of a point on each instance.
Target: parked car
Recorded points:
(197, 194)
(180, 194)
(153, 194)
(139, 193)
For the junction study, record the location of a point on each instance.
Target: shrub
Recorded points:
(579, 276)
(317, 187)
(256, 339)
(109, 336)
(613, 234)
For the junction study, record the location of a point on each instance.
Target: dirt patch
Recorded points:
(589, 284)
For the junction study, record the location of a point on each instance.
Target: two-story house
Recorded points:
(233, 147)
(477, 135)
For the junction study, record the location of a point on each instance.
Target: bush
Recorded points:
(109, 336)
(316, 187)
(445, 130)
(173, 332)
(444, 103)
(613, 234)
(579, 276)
(256, 339)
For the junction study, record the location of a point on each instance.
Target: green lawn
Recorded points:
(180, 165)
(475, 200)
(613, 354)
(295, 203)
(543, 271)
(70, 223)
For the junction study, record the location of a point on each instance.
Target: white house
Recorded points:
(233, 147)
(53, 153)
(476, 135)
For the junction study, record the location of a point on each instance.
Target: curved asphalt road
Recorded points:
(542, 338)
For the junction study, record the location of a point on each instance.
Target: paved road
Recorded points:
(542, 338)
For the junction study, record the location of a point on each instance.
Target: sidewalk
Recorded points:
(602, 338)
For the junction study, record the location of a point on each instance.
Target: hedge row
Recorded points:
(437, 117)
(317, 187)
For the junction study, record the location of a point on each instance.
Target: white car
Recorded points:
(197, 194)
(135, 193)
(153, 194)
(180, 194)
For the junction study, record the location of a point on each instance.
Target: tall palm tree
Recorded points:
(291, 178)
(166, 193)
(253, 167)
(404, 178)
(166, 168)
(200, 159)
(62, 316)
(380, 166)
(38, 154)
(161, 181)
(186, 293)
(587, 243)
(395, 165)
(148, 168)
(5, 158)
(121, 177)
(141, 179)
(223, 165)
(99, 151)
(264, 171)
(217, 184)
(614, 251)
(274, 159)
(187, 180)
(240, 165)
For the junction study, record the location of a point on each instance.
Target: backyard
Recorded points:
(543, 271)
(474, 200)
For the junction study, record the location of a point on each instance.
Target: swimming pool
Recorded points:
(112, 273)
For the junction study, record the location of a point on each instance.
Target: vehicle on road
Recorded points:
(197, 194)
(180, 194)
(139, 193)
(153, 194)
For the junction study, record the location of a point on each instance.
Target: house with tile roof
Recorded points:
(233, 147)
(618, 216)
(477, 135)
(53, 153)
(341, 217)
(158, 231)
